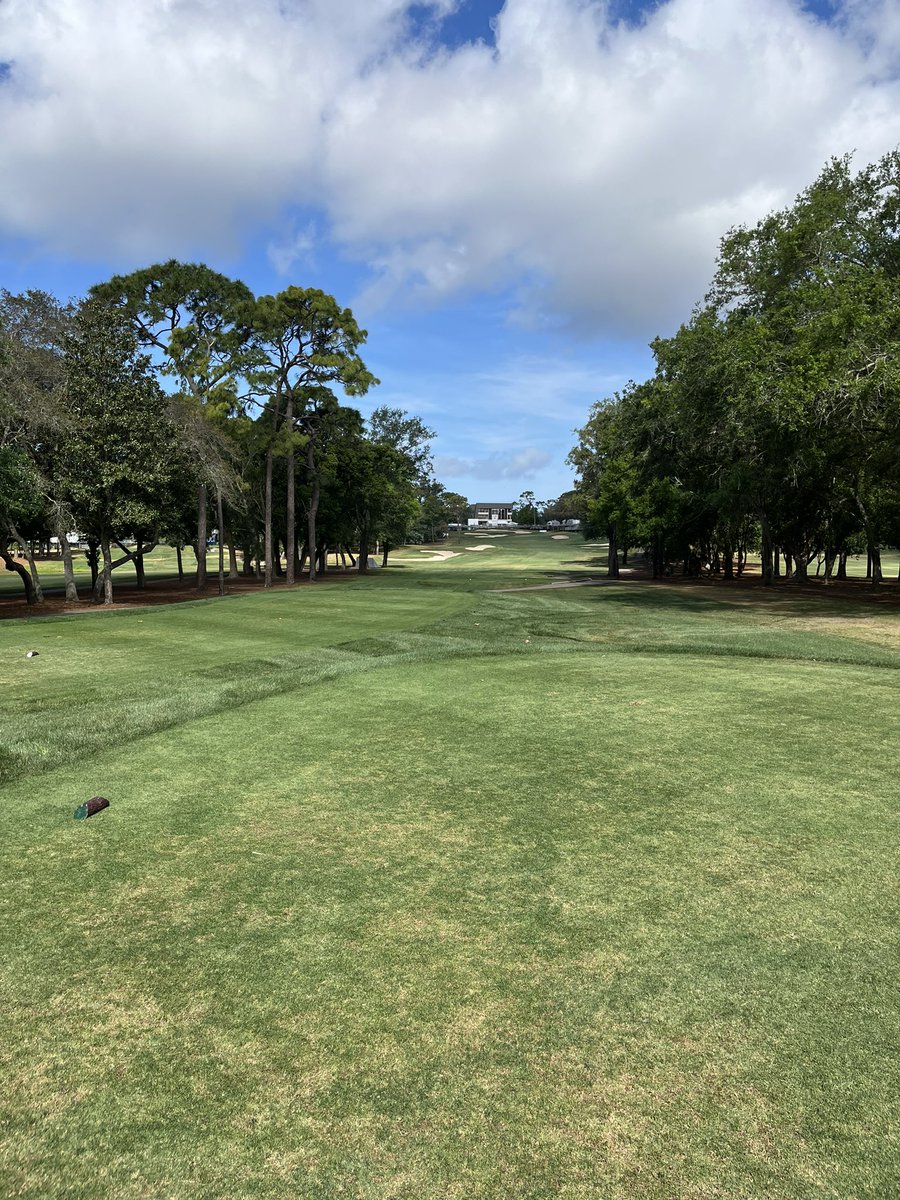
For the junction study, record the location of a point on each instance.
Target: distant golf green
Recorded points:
(415, 888)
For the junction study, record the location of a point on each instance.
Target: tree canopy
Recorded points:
(173, 380)
(771, 421)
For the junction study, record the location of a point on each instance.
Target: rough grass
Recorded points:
(578, 894)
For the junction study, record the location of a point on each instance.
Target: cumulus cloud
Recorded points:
(524, 464)
(592, 164)
(520, 410)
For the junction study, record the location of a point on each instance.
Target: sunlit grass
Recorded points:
(411, 889)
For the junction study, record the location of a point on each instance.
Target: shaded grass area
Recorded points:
(483, 908)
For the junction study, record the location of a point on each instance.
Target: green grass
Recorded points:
(161, 563)
(890, 562)
(413, 889)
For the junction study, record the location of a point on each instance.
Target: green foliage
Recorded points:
(121, 460)
(248, 383)
(21, 500)
(525, 511)
(194, 317)
(776, 405)
(302, 342)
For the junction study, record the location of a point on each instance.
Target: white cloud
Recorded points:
(293, 250)
(520, 411)
(594, 164)
(524, 464)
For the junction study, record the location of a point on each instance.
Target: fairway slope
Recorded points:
(413, 890)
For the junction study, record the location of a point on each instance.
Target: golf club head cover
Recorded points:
(95, 805)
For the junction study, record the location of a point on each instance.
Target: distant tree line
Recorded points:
(171, 401)
(528, 510)
(772, 422)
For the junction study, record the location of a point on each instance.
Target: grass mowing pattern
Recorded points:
(493, 909)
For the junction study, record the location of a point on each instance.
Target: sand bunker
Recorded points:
(437, 555)
(560, 537)
(485, 546)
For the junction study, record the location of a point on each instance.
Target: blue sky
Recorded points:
(514, 198)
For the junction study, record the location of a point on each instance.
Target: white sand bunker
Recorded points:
(438, 555)
(560, 537)
(485, 546)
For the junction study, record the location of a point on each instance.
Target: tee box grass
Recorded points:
(412, 888)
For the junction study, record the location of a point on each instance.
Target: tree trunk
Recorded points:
(91, 556)
(103, 593)
(247, 556)
(842, 565)
(801, 568)
(220, 518)
(291, 516)
(728, 561)
(313, 506)
(68, 569)
(268, 518)
(28, 548)
(363, 563)
(201, 537)
(385, 550)
(103, 586)
(766, 564)
(612, 556)
(873, 554)
(180, 562)
(232, 560)
(276, 557)
(658, 564)
(16, 568)
(139, 563)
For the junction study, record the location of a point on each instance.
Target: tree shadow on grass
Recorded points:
(708, 597)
